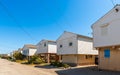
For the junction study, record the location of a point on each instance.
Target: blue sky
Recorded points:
(47, 19)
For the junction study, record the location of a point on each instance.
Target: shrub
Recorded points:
(59, 64)
(66, 66)
(9, 58)
(5, 57)
(55, 64)
(38, 61)
(35, 60)
(18, 56)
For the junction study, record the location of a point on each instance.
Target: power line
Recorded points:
(14, 19)
(112, 2)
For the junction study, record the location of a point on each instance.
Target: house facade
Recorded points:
(47, 50)
(20, 50)
(106, 39)
(29, 50)
(76, 49)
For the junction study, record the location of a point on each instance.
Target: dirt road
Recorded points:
(12, 68)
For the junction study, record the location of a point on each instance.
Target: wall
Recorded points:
(83, 61)
(52, 47)
(85, 46)
(112, 20)
(64, 40)
(78, 60)
(112, 63)
(32, 52)
(41, 48)
(70, 59)
(25, 52)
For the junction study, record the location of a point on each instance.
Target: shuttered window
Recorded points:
(104, 30)
(107, 53)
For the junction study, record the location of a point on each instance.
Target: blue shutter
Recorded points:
(107, 53)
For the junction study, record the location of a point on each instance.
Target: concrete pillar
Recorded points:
(77, 60)
(60, 58)
(48, 58)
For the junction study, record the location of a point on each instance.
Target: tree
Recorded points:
(18, 56)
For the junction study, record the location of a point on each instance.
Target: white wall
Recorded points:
(85, 46)
(41, 48)
(25, 52)
(52, 48)
(28, 51)
(32, 52)
(112, 37)
(64, 40)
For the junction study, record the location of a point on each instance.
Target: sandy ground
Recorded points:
(12, 68)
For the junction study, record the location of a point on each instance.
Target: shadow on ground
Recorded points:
(86, 71)
(45, 67)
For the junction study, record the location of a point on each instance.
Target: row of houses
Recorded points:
(77, 49)
(70, 48)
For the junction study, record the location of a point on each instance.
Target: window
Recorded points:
(60, 46)
(70, 44)
(44, 44)
(88, 56)
(104, 29)
(107, 53)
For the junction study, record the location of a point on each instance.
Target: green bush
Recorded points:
(35, 60)
(5, 57)
(59, 64)
(18, 56)
(9, 58)
(66, 66)
(38, 61)
(54, 63)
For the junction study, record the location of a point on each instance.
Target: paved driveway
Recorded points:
(12, 68)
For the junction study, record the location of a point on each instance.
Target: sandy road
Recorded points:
(12, 68)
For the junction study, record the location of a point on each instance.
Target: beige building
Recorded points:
(47, 50)
(106, 34)
(75, 49)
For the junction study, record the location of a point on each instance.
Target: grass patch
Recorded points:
(21, 61)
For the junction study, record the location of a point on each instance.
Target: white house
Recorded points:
(29, 50)
(76, 49)
(11, 54)
(20, 50)
(106, 34)
(47, 49)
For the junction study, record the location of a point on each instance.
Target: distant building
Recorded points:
(12, 53)
(20, 50)
(75, 49)
(47, 50)
(4, 55)
(29, 50)
(106, 34)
